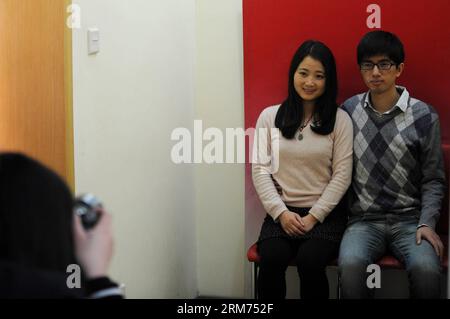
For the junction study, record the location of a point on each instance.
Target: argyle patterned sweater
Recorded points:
(397, 161)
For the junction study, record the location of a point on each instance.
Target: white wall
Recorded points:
(127, 101)
(220, 187)
(179, 229)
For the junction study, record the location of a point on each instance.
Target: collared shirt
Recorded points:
(402, 102)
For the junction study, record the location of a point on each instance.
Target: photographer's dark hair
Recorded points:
(381, 43)
(35, 215)
(290, 114)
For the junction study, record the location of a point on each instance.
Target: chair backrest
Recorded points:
(442, 226)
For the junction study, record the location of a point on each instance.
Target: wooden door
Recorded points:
(35, 82)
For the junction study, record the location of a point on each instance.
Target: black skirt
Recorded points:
(332, 228)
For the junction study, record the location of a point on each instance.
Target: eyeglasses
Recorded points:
(383, 65)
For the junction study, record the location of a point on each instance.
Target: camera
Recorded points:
(86, 207)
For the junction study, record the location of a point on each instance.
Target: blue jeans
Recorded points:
(366, 241)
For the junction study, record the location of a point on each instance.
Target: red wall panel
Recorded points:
(273, 30)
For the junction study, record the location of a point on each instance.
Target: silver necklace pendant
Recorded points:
(300, 130)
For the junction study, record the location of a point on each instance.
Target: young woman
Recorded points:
(40, 237)
(308, 173)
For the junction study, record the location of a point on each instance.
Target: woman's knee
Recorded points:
(316, 255)
(275, 253)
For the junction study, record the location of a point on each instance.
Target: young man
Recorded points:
(398, 178)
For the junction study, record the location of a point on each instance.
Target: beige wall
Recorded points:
(180, 228)
(127, 100)
(220, 187)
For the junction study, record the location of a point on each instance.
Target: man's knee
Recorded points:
(352, 265)
(425, 279)
(353, 275)
(425, 268)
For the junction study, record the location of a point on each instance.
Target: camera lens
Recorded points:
(86, 207)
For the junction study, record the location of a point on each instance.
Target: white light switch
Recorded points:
(93, 40)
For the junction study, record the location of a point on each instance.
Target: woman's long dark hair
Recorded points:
(290, 114)
(35, 215)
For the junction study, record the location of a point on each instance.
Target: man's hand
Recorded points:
(429, 234)
(292, 223)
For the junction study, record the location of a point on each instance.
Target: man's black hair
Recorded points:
(381, 43)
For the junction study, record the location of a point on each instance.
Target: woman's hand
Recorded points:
(94, 247)
(292, 223)
(310, 221)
